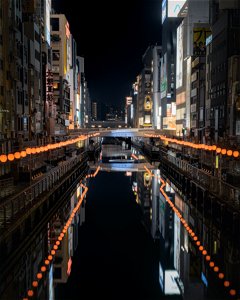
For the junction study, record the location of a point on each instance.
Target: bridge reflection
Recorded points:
(123, 167)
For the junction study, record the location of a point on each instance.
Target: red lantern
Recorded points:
(11, 157)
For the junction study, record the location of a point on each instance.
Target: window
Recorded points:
(1, 90)
(20, 97)
(20, 127)
(37, 36)
(55, 24)
(57, 273)
(37, 55)
(56, 55)
(56, 86)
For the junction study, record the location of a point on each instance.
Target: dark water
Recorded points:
(123, 247)
(116, 257)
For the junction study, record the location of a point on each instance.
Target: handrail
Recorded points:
(212, 183)
(14, 205)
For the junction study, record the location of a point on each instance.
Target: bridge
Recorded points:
(123, 167)
(117, 132)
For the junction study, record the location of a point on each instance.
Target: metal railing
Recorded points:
(6, 187)
(212, 183)
(25, 199)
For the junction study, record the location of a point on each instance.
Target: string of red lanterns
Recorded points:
(193, 236)
(47, 261)
(95, 173)
(134, 156)
(218, 150)
(35, 150)
(43, 269)
(148, 171)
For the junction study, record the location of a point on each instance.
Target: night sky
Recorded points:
(112, 38)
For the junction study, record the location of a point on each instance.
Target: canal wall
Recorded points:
(212, 197)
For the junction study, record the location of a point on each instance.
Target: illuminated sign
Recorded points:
(69, 266)
(174, 109)
(170, 283)
(180, 98)
(147, 179)
(49, 92)
(163, 76)
(47, 21)
(200, 36)
(174, 7)
(128, 100)
(164, 10)
(147, 103)
(179, 60)
(67, 30)
(169, 123)
(161, 276)
(217, 162)
(204, 279)
(169, 110)
(208, 40)
(128, 174)
(147, 121)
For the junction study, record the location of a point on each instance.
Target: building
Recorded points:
(25, 59)
(223, 86)
(134, 95)
(144, 98)
(152, 58)
(61, 65)
(94, 111)
(190, 29)
(128, 111)
(80, 91)
(170, 22)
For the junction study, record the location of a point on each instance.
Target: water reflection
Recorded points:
(127, 242)
(183, 269)
(115, 259)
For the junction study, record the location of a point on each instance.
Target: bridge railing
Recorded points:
(212, 183)
(13, 206)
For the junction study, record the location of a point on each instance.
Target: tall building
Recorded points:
(25, 57)
(14, 108)
(134, 94)
(144, 98)
(151, 61)
(62, 62)
(36, 22)
(80, 91)
(223, 86)
(86, 105)
(128, 111)
(170, 21)
(192, 33)
(94, 111)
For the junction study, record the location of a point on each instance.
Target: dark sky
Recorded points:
(112, 36)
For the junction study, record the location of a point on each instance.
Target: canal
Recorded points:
(135, 236)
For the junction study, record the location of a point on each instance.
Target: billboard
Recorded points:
(47, 21)
(169, 123)
(164, 10)
(200, 35)
(174, 7)
(179, 60)
(163, 76)
(171, 283)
